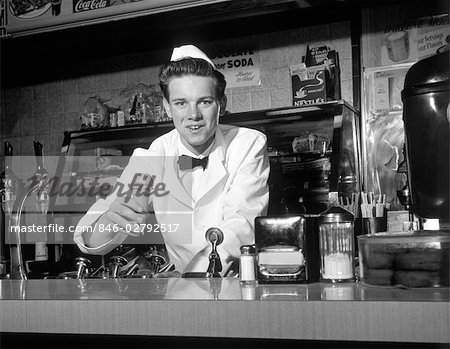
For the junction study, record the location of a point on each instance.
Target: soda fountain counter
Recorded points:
(219, 308)
(315, 157)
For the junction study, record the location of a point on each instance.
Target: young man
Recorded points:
(227, 191)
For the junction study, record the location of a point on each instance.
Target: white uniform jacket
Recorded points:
(233, 191)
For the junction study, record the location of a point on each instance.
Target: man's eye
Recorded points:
(179, 103)
(207, 102)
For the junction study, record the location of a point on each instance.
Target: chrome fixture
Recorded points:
(40, 186)
(215, 237)
(82, 266)
(117, 262)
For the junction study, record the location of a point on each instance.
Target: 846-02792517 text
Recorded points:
(140, 228)
(59, 228)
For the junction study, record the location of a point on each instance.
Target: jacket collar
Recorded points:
(214, 172)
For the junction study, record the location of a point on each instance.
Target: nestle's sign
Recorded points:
(87, 5)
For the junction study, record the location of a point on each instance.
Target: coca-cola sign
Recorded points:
(88, 5)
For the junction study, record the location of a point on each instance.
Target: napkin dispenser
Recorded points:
(287, 249)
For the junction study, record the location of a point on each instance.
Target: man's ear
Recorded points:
(223, 105)
(166, 107)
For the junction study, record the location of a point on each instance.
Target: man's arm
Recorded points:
(247, 198)
(106, 224)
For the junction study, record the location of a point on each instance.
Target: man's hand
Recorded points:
(126, 215)
(122, 217)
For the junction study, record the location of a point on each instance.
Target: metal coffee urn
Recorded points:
(426, 116)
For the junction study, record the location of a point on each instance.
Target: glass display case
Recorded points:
(314, 156)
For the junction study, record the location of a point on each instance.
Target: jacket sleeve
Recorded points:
(247, 197)
(89, 221)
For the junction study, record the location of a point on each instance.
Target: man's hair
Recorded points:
(190, 66)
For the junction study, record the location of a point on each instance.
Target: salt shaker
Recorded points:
(247, 265)
(336, 238)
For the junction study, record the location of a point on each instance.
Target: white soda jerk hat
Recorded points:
(189, 51)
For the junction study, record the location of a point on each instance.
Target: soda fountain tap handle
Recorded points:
(117, 262)
(82, 264)
(156, 262)
(215, 237)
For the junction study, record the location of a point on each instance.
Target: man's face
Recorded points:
(195, 110)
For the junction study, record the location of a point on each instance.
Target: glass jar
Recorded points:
(336, 238)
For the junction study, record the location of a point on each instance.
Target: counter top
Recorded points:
(223, 308)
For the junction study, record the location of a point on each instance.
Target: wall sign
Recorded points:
(413, 40)
(88, 5)
(240, 65)
(33, 16)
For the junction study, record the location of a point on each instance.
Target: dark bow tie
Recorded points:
(188, 163)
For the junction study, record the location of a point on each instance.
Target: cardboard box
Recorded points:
(308, 84)
(323, 55)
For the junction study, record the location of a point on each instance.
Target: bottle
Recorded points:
(143, 109)
(120, 118)
(247, 265)
(8, 182)
(112, 119)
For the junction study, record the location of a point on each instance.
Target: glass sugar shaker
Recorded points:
(247, 267)
(336, 238)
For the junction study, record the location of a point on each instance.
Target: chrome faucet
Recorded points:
(117, 262)
(40, 186)
(215, 237)
(82, 266)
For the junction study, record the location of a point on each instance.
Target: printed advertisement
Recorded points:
(308, 84)
(28, 16)
(414, 40)
(41, 9)
(384, 86)
(241, 66)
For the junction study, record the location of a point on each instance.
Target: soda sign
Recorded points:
(88, 5)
